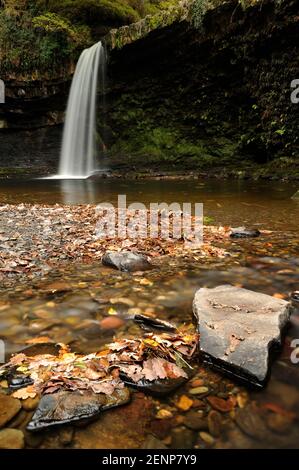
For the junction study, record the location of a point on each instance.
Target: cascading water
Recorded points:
(77, 159)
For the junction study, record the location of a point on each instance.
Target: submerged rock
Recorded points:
(149, 323)
(237, 329)
(126, 261)
(158, 387)
(11, 439)
(243, 232)
(66, 407)
(9, 407)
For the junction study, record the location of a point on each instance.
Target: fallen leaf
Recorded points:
(184, 403)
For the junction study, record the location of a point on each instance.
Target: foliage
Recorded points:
(198, 11)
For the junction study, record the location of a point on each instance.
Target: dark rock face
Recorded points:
(126, 261)
(66, 407)
(243, 232)
(163, 84)
(237, 329)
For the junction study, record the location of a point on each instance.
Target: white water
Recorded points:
(77, 158)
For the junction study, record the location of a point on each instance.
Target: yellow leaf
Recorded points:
(184, 403)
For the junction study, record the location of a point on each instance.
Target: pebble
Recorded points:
(194, 420)
(220, 404)
(182, 438)
(198, 390)
(33, 439)
(11, 439)
(197, 383)
(164, 414)
(214, 423)
(30, 403)
(152, 442)
(111, 323)
(66, 435)
(207, 438)
(278, 423)
(9, 407)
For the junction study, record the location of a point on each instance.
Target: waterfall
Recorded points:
(77, 158)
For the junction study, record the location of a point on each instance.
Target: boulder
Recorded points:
(243, 232)
(126, 261)
(238, 328)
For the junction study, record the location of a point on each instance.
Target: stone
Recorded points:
(9, 407)
(111, 323)
(126, 261)
(30, 403)
(194, 420)
(279, 423)
(238, 328)
(66, 435)
(199, 390)
(214, 423)
(243, 232)
(67, 407)
(150, 323)
(152, 442)
(182, 438)
(11, 439)
(207, 438)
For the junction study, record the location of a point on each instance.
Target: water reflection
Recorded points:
(78, 192)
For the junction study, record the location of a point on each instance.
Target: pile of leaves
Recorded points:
(152, 357)
(34, 238)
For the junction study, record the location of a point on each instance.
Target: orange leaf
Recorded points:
(184, 403)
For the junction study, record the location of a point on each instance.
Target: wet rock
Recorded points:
(237, 329)
(251, 423)
(182, 438)
(279, 423)
(152, 442)
(243, 232)
(295, 298)
(11, 439)
(149, 323)
(9, 407)
(199, 391)
(33, 440)
(214, 423)
(66, 435)
(42, 348)
(159, 387)
(194, 420)
(207, 438)
(111, 323)
(126, 261)
(16, 380)
(30, 403)
(66, 407)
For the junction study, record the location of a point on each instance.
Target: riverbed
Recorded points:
(86, 305)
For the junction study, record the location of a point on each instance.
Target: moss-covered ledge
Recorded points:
(118, 38)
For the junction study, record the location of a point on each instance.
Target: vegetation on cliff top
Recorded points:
(43, 35)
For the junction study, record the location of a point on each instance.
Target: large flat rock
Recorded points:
(238, 328)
